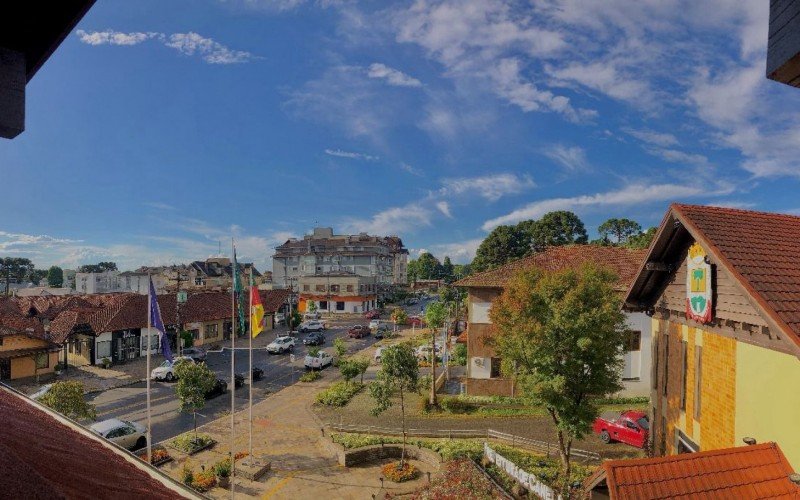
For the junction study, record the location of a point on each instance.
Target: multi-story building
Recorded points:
(723, 289)
(338, 292)
(215, 273)
(483, 364)
(381, 257)
(104, 282)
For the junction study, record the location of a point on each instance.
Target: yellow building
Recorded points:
(722, 287)
(23, 354)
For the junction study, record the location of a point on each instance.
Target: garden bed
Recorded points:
(339, 393)
(187, 443)
(159, 457)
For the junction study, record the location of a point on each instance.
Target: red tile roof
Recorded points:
(758, 471)
(624, 261)
(45, 456)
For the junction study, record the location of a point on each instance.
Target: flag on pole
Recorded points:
(157, 323)
(238, 292)
(256, 310)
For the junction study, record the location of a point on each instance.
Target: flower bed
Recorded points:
(449, 449)
(160, 456)
(399, 473)
(310, 376)
(461, 479)
(187, 443)
(339, 394)
(204, 481)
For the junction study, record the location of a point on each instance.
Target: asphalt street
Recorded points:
(129, 403)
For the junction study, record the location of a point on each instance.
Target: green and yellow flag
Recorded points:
(256, 310)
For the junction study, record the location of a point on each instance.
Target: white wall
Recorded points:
(637, 363)
(480, 367)
(479, 312)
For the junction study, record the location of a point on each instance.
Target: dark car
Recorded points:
(358, 332)
(381, 332)
(198, 354)
(220, 388)
(314, 338)
(238, 380)
(258, 373)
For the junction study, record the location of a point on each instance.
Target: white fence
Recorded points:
(526, 479)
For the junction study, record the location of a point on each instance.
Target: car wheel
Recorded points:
(605, 437)
(141, 443)
(170, 377)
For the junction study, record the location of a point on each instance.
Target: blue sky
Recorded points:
(159, 129)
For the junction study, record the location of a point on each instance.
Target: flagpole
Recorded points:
(234, 319)
(251, 367)
(149, 336)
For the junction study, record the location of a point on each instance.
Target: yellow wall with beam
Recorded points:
(768, 399)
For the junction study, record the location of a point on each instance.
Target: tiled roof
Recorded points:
(624, 261)
(762, 248)
(273, 299)
(757, 471)
(42, 456)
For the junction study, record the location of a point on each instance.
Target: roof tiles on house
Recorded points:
(757, 471)
(624, 262)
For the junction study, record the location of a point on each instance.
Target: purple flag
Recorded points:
(157, 323)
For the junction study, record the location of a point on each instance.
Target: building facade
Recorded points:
(483, 364)
(382, 258)
(722, 287)
(338, 292)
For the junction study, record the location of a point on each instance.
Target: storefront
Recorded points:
(125, 345)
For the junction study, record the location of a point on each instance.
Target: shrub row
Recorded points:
(339, 394)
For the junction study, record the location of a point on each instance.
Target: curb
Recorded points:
(126, 384)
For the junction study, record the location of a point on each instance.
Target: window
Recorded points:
(320, 288)
(306, 288)
(340, 306)
(334, 288)
(666, 361)
(42, 360)
(495, 368)
(103, 349)
(349, 289)
(323, 304)
(684, 378)
(212, 331)
(195, 334)
(633, 341)
(698, 372)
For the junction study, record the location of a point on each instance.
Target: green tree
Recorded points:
(447, 270)
(412, 271)
(36, 276)
(460, 354)
(642, 240)
(399, 316)
(340, 347)
(399, 374)
(98, 268)
(460, 271)
(67, 398)
(194, 381)
(619, 229)
(15, 269)
(428, 267)
(504, 244)
(560, 334)
(295, 319)
(349, 369)
(55, 277)
(553, 229)
(435, 316)
(312, 306)
(362, 364)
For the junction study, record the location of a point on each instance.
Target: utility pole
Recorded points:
(178, 312)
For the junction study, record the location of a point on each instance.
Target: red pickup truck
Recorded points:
(630, 427)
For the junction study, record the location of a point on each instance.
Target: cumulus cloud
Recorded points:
(395, 219)
(392, 76)
(190, 44)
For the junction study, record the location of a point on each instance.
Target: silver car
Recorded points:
(126, 434)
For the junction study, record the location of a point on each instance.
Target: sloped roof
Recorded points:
(759, 249)
(757, 471)
(623, 261)
(274, 299)
(43, 455)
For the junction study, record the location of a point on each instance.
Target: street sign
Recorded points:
(291, 358)
(182, 296)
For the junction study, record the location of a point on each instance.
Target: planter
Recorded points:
(159, 463)
(223, 482)
(190, 446)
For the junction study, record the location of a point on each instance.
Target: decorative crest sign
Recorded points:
(698, 285)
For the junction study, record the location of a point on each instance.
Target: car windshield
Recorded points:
(166, 364)
(644, 423)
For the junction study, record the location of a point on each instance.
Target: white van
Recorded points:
(311, 316)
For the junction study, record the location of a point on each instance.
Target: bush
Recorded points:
(204, 481)
(157, 456)
(106, 362)
(456, 405)
(424, 384)
(339, 394)
(639, 400)
(399, 473)
(187, 476)
(310, 376)
(223, 468)
(460, 355)
(187, 443)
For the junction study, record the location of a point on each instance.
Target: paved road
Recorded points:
(129, 403)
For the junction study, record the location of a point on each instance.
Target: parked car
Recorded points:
(411, 301)
(314, 338)
(358, 332)
(41, 392)
(198, 354)
(318, 362)
(280, 318)
(424, 351)
(129, 435)
(166, 371)
(311, 316)
(311, 326)
(381, 331)
(631, 427)
(373, 314)
(416, 321)
(258, 373)
(375, 323)
(281, 345)
(238, 380)
(220, 388)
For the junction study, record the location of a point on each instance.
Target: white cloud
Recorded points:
(159, 205)
(11, 242)
(632, 194)
(652, 137)
(351, 155)
(676, 156)
(190, 44)
(392, 76)
(460, 252)
(393, 220)
(405, 167)
(570, 157)
(491, 187)
(111, 37)
(606, 78)
(444, 207)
